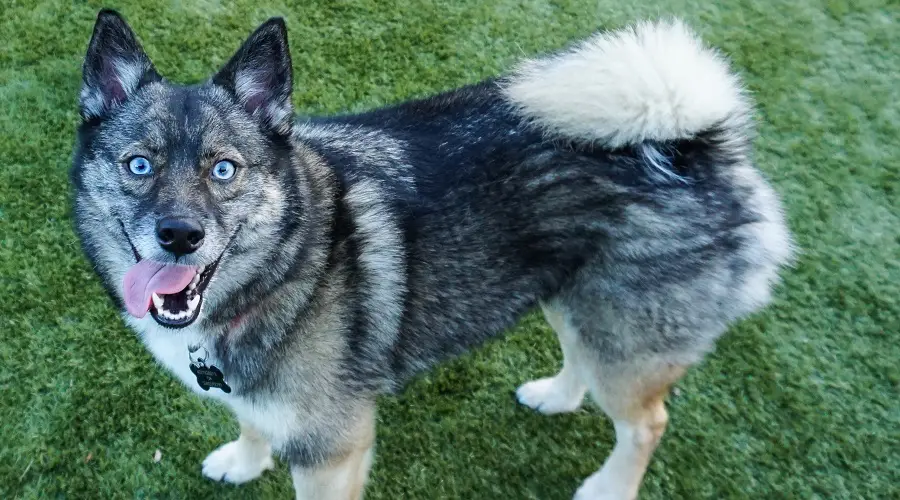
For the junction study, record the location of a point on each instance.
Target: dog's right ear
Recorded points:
(259, 76)
(114, 68)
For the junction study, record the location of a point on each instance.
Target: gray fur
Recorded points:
(356, 251)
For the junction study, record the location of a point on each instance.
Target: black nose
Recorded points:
(179, 235)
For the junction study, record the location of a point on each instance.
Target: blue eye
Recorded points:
(223, 170)
(140, 166)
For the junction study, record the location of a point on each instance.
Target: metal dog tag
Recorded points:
(207, 376)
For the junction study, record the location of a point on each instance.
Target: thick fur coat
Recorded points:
(611, 184)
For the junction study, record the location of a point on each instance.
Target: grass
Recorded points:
(800, 401)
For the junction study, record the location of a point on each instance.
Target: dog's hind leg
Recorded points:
(630, 389)
(241, 460)
(633, 396)
(565, 391)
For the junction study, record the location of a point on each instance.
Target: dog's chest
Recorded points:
(275, 419)
(188, 355)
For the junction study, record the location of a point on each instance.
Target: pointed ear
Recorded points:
(114, 68)
(259, 76)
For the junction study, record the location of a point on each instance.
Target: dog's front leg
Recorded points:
(343, 477)
(241, 460)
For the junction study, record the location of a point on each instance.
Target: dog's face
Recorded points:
(173, 182)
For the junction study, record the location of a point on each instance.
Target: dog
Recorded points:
(295, 268)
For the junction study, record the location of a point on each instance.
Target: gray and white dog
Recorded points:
(296, 268)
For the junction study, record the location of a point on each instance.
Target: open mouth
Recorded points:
(181, 308)
(171, 293)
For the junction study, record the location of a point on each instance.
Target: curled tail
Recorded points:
(651, 82)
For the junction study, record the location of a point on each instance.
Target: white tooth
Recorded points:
(194, 281)
(192, 303)
(157, 301)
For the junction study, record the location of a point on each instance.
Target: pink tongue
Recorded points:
(147, 277)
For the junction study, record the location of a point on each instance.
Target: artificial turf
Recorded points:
(800, 401)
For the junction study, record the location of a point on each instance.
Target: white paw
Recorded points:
(600, 487)
(237, 462)
(551, 395)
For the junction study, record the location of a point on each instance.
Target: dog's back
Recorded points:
(583, 179)
(612, 184)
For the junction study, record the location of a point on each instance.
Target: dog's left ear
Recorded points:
(115, 66)
(259, 76)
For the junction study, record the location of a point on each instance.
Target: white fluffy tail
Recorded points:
(653, 81)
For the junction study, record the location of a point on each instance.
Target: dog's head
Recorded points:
(172, 181)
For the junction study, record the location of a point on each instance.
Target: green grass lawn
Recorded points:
(801, 401)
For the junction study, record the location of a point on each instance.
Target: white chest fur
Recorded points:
(171, 348)
(273, 418)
